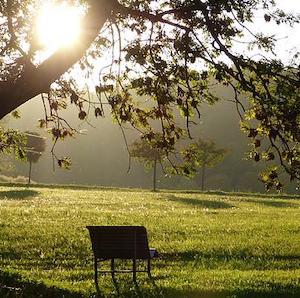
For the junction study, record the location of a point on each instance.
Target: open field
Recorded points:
(211, 245)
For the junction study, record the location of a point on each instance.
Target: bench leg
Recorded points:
(112, 267)
(134, 269)
(96, 271)
(149, 268)
(96, 274)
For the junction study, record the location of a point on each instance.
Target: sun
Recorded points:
(58, 25)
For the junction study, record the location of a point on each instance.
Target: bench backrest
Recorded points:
(124, 242)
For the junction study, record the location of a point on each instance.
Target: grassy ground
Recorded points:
(211, 245)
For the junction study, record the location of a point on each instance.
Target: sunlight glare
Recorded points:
(58, 25)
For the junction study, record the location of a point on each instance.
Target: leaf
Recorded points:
(180, 91)
(74, 97)
(257, 143)
(252, 133)
(98, 112)
(82, 115)
(43, 123)
(16, 114)
(65, 163)
(267, 18)
(270, 156)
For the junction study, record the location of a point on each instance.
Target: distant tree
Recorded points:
(202, 154)
(148, 155)
(35, 145)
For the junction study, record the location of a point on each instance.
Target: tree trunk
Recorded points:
(203, 177)
(154, 175)
(29, 175)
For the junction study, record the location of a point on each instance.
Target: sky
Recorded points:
(289, 38)
(289, 5)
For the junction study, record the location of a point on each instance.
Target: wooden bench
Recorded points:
(120, 242)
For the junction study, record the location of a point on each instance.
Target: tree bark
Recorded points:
(36, 80)
(29, 175)
(154, 175)
(203, 177)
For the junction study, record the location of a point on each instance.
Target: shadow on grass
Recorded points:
(242, 254)
(12, 285)
(276, 293)
(209, 204)
(9, 254)
(131, 290)
(18, 194)
(255, 195)
(272, 203)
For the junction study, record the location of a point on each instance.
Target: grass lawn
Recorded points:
(211, 245)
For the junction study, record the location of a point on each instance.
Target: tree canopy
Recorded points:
(34, 147)
(148, 155)
(160, 57)
(202, 154)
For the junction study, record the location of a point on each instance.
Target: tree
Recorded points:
(202, 154)
(35, 145)
(155, 48)
(149, 156)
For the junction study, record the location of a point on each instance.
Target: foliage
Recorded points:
(35, 145)
(155, 48)
(201, 154)
(11, 141)
(145, 153)
(211, 245)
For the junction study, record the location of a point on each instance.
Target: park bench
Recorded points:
(120, 242)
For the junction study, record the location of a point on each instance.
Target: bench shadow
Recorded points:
(246, 257)
(190, 255)
(18, 194)
(12, 285)
(132, 288)
(209, 204)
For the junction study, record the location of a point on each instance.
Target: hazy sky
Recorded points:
(289, 40)
(287, 36)
(291, 5)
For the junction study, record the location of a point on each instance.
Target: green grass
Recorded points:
(211, 245)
